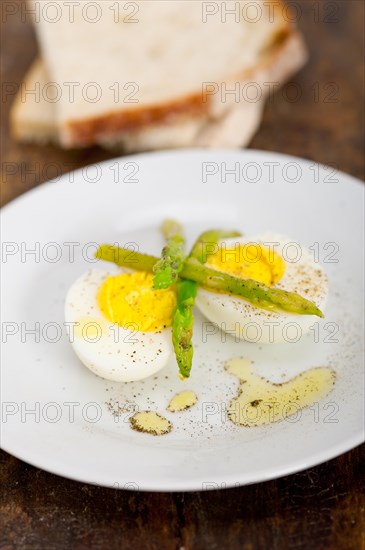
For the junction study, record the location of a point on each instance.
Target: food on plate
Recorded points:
(182, 401)
(126, 328)
(121, 326)
(182, 326)
(168, 267)
(244, 285)
(152, 75)
(183, 320)
(261, 402)
(260, 295)
(277, 262)
(150, 422)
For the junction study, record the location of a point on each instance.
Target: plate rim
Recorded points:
(229, 483)
(40, 187)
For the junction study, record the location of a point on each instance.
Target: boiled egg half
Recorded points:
(118, 325)
(276, 261)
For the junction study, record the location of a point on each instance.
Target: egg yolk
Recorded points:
(249, 261)
(129, 301)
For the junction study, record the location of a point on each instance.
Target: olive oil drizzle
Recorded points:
(150, 422)
(182, 401)
(260, 402)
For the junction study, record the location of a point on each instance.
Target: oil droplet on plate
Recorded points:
(260, 402)
(182, 401)
(150, 422)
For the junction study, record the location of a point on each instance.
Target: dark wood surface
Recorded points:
(321, 508)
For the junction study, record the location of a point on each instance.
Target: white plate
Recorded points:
(123, 201)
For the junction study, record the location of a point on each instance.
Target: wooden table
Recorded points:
(321, 508)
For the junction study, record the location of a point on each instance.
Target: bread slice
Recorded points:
(32, 120)
(168, 62)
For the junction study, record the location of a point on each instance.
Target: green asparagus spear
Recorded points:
(182, 326)
(124, 257)
(256, 293)
(183, 320)
(207, 242)
(167, 269)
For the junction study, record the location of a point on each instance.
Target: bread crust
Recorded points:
(89, 131)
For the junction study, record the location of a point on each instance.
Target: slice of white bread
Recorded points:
(172, 62)
(33, 118)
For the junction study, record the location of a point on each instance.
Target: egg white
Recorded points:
(108, 350)
(242, 320)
